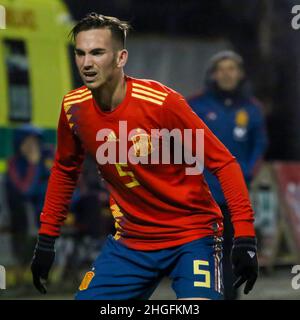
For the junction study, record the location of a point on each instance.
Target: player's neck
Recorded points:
(110, 95)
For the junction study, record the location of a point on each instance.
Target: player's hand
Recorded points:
(43, 258)
(244, 262)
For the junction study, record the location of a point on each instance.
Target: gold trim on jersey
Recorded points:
(147, 98)
(76, 92)
(72, 98)
(69, 116)
(148, 94)
(76, 96)
(134, 84)
(69, 103)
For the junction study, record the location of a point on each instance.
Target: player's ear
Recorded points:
(122, 58)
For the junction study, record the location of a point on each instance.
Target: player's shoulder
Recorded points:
(151, 90)
(152, 84)
(77, 95)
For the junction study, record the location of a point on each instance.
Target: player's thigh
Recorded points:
(119, 273)
(197, 273)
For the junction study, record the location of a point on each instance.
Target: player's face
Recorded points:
(227, 74)
(97, 58)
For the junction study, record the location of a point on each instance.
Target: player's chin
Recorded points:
(92, 85)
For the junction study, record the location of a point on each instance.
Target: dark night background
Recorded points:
(260, 30)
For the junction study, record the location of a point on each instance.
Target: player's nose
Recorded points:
(87, 62)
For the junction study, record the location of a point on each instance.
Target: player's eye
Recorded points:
(79, 53)
(97, 53)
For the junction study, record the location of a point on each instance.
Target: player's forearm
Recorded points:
(236, 194)
(64, 175)
(62, 183)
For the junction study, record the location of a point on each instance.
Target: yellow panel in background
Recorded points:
(3, 89)
(43, 25)
(50, 81)
(44, 18)
(3, 166)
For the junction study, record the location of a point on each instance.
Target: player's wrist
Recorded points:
(249, 242)
(45, 242)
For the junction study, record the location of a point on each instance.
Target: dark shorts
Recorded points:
(121, 273)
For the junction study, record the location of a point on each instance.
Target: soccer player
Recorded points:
(167, 222)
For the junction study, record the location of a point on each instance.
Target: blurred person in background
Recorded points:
(229, 109)
(26, 181)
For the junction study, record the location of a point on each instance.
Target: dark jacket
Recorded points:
(236, 119)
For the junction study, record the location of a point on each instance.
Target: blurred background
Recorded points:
(172, 41)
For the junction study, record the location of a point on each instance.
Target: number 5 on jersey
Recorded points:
(199, 271)
(122, 173)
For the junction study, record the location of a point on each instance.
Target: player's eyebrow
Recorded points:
(97, 50)
(93, 51)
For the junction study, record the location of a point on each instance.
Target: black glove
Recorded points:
(43, 258)
(244, 262)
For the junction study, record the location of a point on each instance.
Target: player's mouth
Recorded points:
(89, 76)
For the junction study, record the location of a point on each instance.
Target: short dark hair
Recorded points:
(93, 20)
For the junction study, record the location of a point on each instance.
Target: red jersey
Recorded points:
(155, 206)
